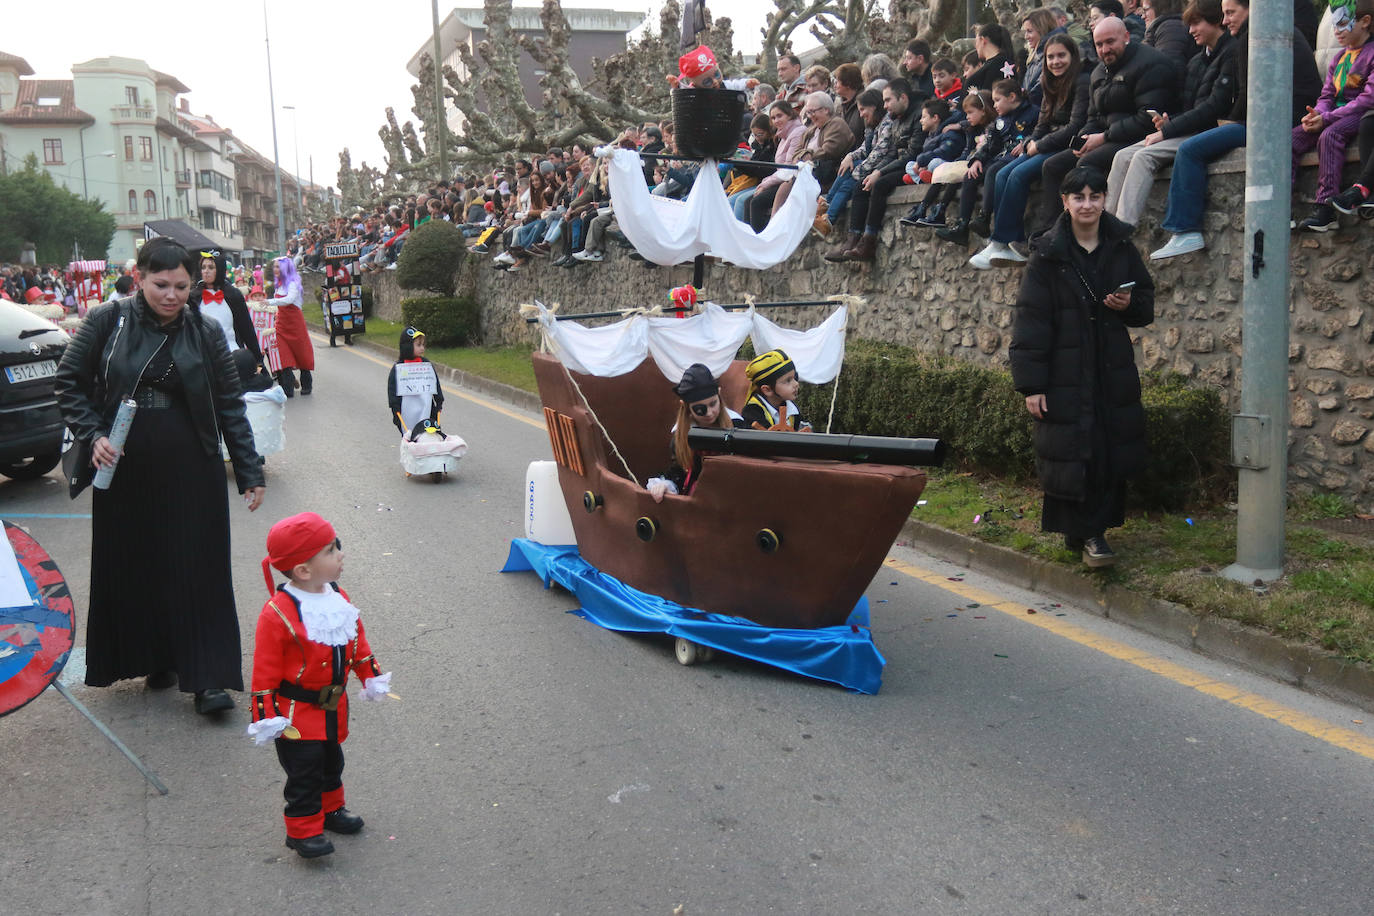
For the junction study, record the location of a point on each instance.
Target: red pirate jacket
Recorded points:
(283, 652)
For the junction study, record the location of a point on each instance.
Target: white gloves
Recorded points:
(376, 688)
(267, 730)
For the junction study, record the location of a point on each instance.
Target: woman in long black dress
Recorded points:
(1071, 356)
(162, 598)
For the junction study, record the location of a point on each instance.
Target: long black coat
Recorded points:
(1077, 352)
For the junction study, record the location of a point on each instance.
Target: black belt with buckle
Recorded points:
(327, 697)
(152, 399)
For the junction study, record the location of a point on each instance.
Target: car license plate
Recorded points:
(29, 372)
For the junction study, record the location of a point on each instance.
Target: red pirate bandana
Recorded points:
(293, 541)
(697, 63)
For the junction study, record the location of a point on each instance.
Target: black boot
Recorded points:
(934, 218)
(287, 380)
(982, 226)
(307, 382)
(311, 847)
(956, 232)
(913, 216)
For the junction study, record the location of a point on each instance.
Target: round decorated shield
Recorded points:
(37, 638)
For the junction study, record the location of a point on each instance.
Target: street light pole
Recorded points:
(296, 143)
(85, 194)
(276, 165)
(441, 128)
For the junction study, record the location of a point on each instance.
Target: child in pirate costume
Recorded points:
(412, 389)
(773, 385)
(701, 406)
(309, 637)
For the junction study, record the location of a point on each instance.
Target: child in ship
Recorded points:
(773, 387)
(701, 406)
(309, 637)
(412, 389)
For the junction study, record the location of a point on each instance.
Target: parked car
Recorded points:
(31, 427)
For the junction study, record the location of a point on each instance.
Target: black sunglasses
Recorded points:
(338, 544)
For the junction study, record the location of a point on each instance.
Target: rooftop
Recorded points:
(45, 102)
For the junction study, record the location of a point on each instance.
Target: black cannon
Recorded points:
(830, 446)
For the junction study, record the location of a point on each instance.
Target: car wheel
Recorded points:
(32, 468)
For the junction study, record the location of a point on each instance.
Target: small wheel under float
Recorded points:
(690, 653)
(437, 476)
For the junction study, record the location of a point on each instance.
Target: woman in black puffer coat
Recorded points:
(1071, 356)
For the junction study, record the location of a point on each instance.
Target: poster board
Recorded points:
(342, 299)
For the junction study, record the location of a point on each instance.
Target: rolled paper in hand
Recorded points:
(119, 432)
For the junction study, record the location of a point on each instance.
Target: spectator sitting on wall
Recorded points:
(848, 84)
(859, 161)
(1166, 32)
(993, 44)
(903, 143)
(791, 83)
(1209, 94)
(787, 126)
(823, 144)
(878, 70)
(916, 62)
(1129, 81)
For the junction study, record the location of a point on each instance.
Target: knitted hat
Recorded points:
(766, 368)
(697, 63)
(697, 384)
(293, 541)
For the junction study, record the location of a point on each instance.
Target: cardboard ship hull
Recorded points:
(789, 543)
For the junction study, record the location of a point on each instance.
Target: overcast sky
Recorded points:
(340, 63)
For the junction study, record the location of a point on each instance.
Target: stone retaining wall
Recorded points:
(921, 293)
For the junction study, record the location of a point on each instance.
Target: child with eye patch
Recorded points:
(701, 406)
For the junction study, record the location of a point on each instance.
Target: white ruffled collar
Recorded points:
(328, 617)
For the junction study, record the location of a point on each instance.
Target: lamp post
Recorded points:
(276, 165)
(108, 154)
(296, 144)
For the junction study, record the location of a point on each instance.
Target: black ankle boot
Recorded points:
(307, 381)
(956, 232)
(982, 226)
(934, 218)
(914, 215)
(287, 380)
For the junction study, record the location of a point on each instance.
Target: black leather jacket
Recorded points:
(104, 362)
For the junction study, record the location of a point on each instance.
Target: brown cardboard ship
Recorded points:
(782, 541)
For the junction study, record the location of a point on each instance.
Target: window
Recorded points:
(145, 148)
(133, 201)
(149, 202)
(129, 149)
(52, 152)
(131, 95)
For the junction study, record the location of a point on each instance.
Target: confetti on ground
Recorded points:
(892, 583)
(882, 601)
(976, 617)
(951, 615)
(955, 578)
(998, 655)
(973, 604)
(1031, 610)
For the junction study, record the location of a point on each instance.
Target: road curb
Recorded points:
(1292, 663)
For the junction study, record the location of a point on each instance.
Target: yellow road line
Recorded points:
(482, 402)
(1309, 725)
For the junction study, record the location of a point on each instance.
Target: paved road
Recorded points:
(1012, 763)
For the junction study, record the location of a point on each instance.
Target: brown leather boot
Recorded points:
(866, 250)
(839, 252)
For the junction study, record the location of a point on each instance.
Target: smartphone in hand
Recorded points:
(1125, 287)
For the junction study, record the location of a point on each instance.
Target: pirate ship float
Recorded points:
(769, 555)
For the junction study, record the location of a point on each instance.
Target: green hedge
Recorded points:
(446, 321)
(888, 390)
(431, 258)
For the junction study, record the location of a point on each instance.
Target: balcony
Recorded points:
(135, 113)
(183, 179)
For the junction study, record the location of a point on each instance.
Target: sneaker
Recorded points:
(514, 267)
(913, 215)
(1097, 553)
(1005, 256)
(504, 257)
(391, 266)
(1323, 219)
(934, 217)
(982, 260)
(1349, 200)
(1181, 243)
(479, 249)
(585, 255)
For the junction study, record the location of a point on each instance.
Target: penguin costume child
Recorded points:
(412, 389)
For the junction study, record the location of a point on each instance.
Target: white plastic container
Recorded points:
(546, 513)
(266, 413)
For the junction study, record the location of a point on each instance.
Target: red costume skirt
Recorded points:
(293, 339)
